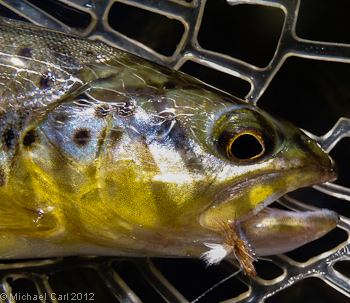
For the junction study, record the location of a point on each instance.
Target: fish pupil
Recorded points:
(246, 147)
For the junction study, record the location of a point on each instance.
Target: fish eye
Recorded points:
(244, 135)
(246, 147)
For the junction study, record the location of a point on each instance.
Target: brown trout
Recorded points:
(105, 153)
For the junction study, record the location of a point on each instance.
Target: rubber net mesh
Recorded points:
(290, 57)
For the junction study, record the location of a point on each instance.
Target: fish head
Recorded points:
(160, 172)
(261, 158)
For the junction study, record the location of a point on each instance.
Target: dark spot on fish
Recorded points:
(2, 177)
(169, 85)
(143, 140)
(102, 111)
(9, 137)
(45, 81)
(29, 138)
(82, 137)
(115, 135)
(25, 52)
(127, 109)
(178, 138)
(89, 53)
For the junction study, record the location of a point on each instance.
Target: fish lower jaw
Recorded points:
(270, 232)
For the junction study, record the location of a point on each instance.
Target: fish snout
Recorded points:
(320, 166)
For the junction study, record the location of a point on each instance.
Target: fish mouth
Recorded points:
(244, 199)
(260, 230)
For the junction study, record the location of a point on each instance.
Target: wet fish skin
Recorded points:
(103, 152)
